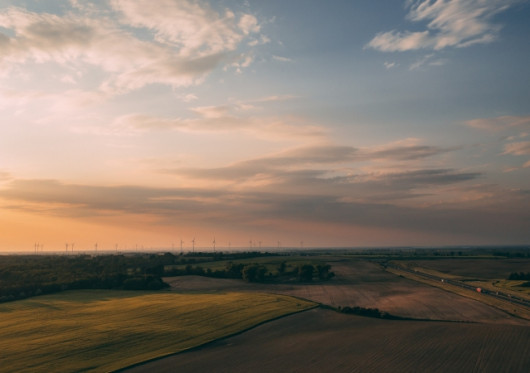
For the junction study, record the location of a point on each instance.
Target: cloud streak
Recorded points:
(517, 148)
(294, 161)
(268, 208)
(449, 23)
(225, 118)
(499, 124)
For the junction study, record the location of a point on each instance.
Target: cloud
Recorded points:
(212, 112)
(396, 41)
(222, 118)
(175, 43)
(188, 97)
(4, 176)
(429, 177)
(249, 24)
(498, 124)
(450, 23)
(282, 59)
(327, 168)
(517, 148)
(192, 26)
(410, 152)
(427, 60)
(267, 208)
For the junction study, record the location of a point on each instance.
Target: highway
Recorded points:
(497, 294)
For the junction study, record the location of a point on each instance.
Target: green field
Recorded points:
(107, 330)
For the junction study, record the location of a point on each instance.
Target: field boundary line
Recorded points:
(316, 305)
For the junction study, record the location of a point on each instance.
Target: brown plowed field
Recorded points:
(366, 284)
(326, 341)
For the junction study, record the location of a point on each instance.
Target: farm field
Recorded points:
(106, 330)
(364, 284)
(325, 341)
(477, 268)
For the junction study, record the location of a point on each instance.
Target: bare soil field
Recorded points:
(478, 268)
(326, 341)
(365, 284)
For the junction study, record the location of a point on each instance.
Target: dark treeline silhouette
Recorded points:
(254, 272)
(23, 276)
(519, 276)
(26, 276)
(368, 312)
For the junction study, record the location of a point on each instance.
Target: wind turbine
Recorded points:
(66, 248)
(214, 244)
(181, 242)
(193, 244)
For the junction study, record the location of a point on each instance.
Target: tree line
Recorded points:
(255, 272)
(26, 276)
(23, 276)
(519, 276)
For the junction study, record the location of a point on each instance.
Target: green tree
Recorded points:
(254, 273)
(305, 272)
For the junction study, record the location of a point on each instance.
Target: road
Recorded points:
(498, 294)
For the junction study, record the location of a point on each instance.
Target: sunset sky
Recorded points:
(341, 123)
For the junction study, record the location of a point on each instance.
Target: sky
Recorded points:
(299, 123)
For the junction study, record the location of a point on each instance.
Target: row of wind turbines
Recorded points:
(69, 246)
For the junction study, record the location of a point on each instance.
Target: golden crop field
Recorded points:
(107, 330)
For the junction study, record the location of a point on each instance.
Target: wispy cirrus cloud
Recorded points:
(194, 28)
(282, 59)
(427, 60)
(517, 148)
(502, 123)
(223, 118)
(449, 23)
(185, 41)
